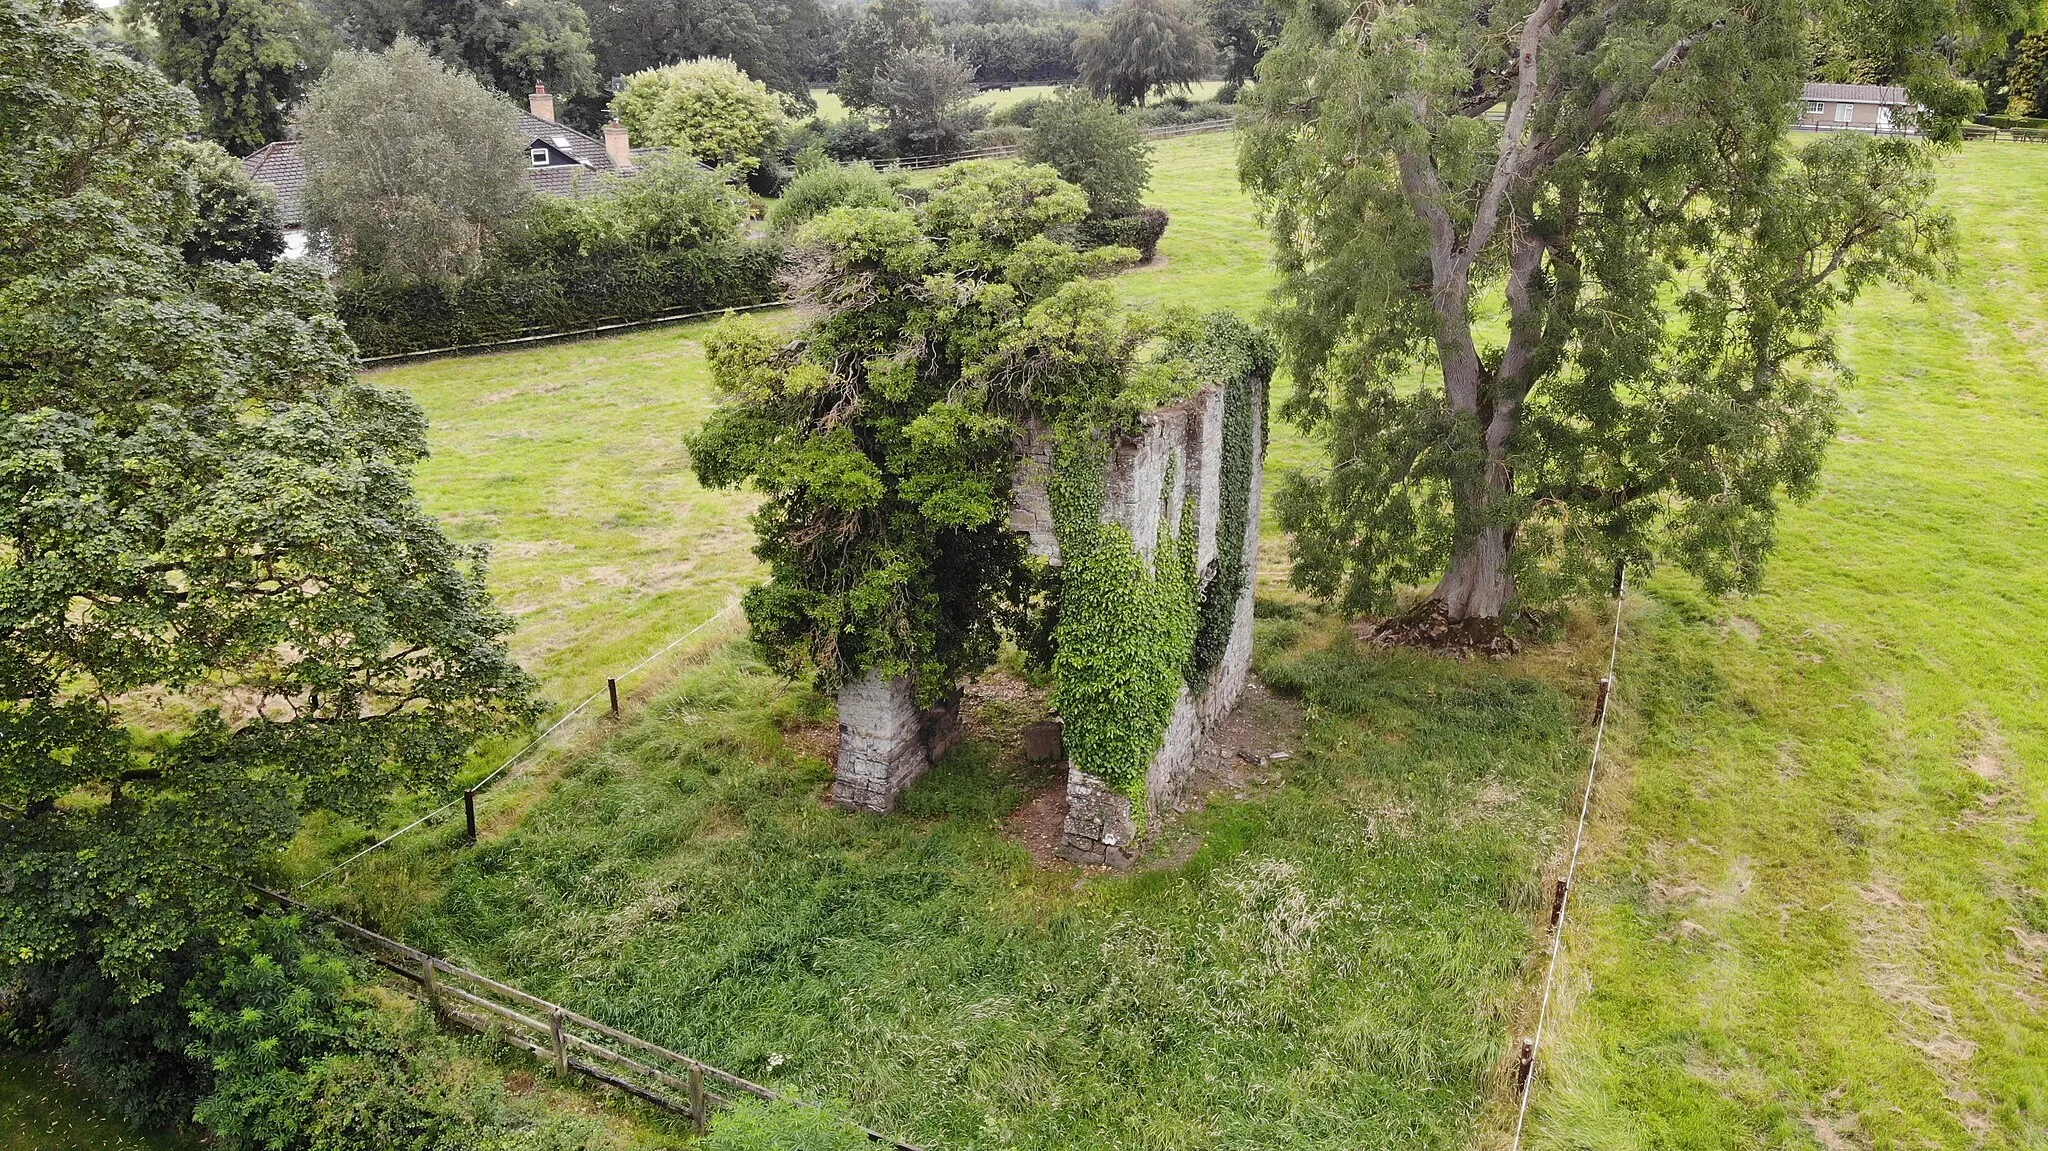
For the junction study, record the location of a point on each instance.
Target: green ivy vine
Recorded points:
(1126, 628)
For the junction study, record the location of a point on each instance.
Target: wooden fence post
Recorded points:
(469, 811)
(697, 1115)
(560, 1041)
(433, 988)
(612, 685)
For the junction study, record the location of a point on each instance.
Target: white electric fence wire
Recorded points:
(516, 756)
(1571, 867)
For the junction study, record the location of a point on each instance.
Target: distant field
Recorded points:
(830, 107)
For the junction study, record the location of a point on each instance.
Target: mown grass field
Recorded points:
(1819, 910)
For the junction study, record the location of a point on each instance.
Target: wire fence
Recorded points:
(467, 799)
(1526, 1072)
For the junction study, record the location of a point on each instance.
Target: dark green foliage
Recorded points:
(129, 1050)
(509, 45)
(449, 173)
(246, 60)
(1626, 304)
(1142, 48)
(1093, 148)
(1242, 30)
(221, 605)
(385, 315)
(829, 186)
(886, 524)
(1167, 113)
(886, 29)
(1015, 51)
(1140, 230)
(778, 42)
(924, 97)
(2026, 78)
(1243, 358)
(234, 218)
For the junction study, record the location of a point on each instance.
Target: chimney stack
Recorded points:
(616, 144)
(542, 103)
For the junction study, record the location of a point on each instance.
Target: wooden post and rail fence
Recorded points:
(570, 1042)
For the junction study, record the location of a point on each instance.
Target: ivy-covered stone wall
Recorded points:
(1184, 492)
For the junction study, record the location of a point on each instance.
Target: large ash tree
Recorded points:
(221, 604)
(1557, 283)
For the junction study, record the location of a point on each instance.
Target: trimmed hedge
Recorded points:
(1141, 230)
(2012, 122)
(386, 316)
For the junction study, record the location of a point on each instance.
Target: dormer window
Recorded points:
(540, 157)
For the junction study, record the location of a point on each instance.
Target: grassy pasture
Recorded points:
(1818, 914)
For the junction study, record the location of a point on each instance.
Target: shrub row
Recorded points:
(387, 316)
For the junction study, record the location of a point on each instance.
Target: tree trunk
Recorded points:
(1476, 584)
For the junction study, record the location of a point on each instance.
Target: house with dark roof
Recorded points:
(1854, 107)
(559, 160)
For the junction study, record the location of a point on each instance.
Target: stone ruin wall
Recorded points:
(885, 742)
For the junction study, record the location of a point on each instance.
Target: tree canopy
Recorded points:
(246, 60)
(1093, 147)
(221, 604)
(1142, 48)
(510, 44)
(233, 217)
(925, 96)
(886, 29)
(448, 171)
(1663, 260)
(707, 108)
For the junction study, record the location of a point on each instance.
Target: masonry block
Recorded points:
(886, 741)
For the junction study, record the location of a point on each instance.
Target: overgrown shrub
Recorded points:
(853, 138)
(1140, 229)
(385, 315)
(1094, 148)
(1000, 136)
(822, 189)
(1168, 114)
(131, 1051)
(758, 1125)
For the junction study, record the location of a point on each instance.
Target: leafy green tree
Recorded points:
(1623, 289)
(778, 42)
(1242, 30)
(926, 99)
(886, 29)
(1093, 147)
(882, 436)
(221, 604)
(2026, 78)
(412, 167)
(508, 45)
(708, 108)
(244, 59)
(234, 217)
(1144, 47)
